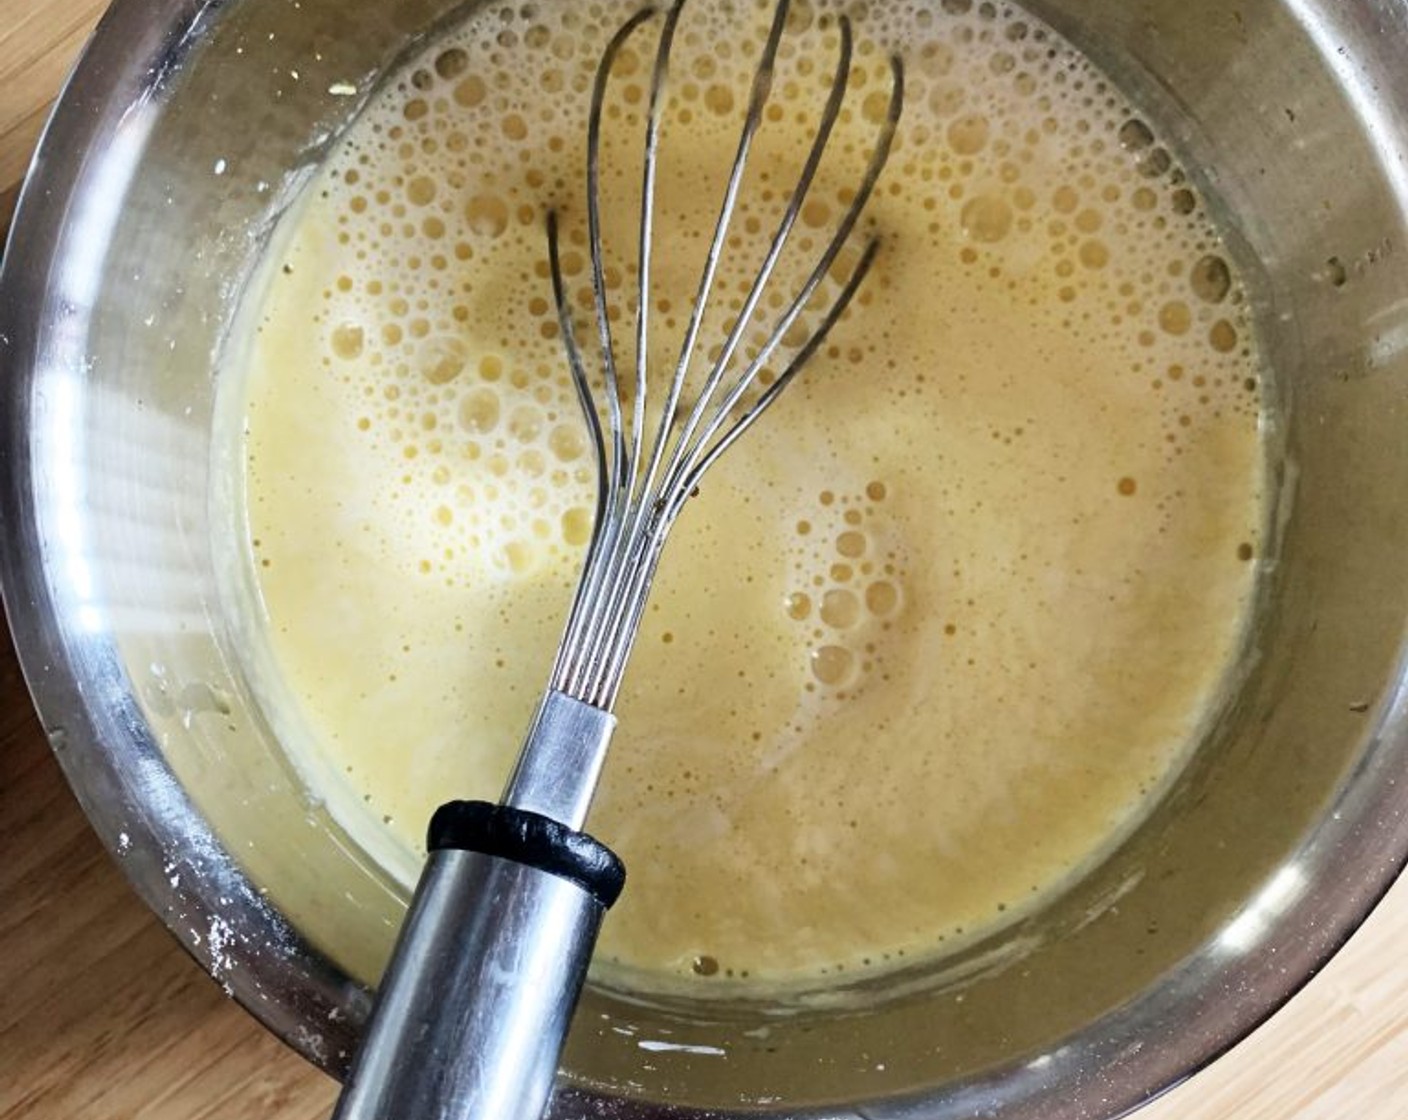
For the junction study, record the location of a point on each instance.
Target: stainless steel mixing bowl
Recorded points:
(192, 123)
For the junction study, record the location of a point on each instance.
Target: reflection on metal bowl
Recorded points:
(1284, 830)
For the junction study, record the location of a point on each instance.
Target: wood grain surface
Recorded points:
(103, 1017)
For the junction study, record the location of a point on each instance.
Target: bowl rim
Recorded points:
(136, 805)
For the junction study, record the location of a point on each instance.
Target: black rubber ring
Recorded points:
(530, 839)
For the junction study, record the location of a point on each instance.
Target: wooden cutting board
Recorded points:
(103, 1017)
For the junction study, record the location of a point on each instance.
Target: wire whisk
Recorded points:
(474, 1008)
(641, 494)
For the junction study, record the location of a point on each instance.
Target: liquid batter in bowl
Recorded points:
(919, 653)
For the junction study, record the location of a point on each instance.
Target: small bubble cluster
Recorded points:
(1030, 443)
(848, 589)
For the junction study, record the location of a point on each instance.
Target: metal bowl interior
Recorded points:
(190, 127)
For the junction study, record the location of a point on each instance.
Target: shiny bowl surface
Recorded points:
(190, 126)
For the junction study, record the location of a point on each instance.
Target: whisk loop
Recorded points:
(641, 494)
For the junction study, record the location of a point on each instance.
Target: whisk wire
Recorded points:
(696, 450)
(879, 157)
(632, 499)
(649, 548)
(598, 255)
(757, 101)
(612, 482)
(641, 506)
(794, 367)
(832, 111)
(645, 248)
(585, 398)
(636, 508)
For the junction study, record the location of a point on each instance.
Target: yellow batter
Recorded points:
(932, 637)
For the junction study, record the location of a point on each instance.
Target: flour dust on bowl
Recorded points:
(1054, 731)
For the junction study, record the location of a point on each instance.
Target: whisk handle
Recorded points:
(474, 1008)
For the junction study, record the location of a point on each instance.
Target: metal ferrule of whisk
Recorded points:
(473, 1010)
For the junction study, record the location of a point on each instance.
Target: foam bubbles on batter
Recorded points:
(1011, 139)
(848, 582)
(1030, 444)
